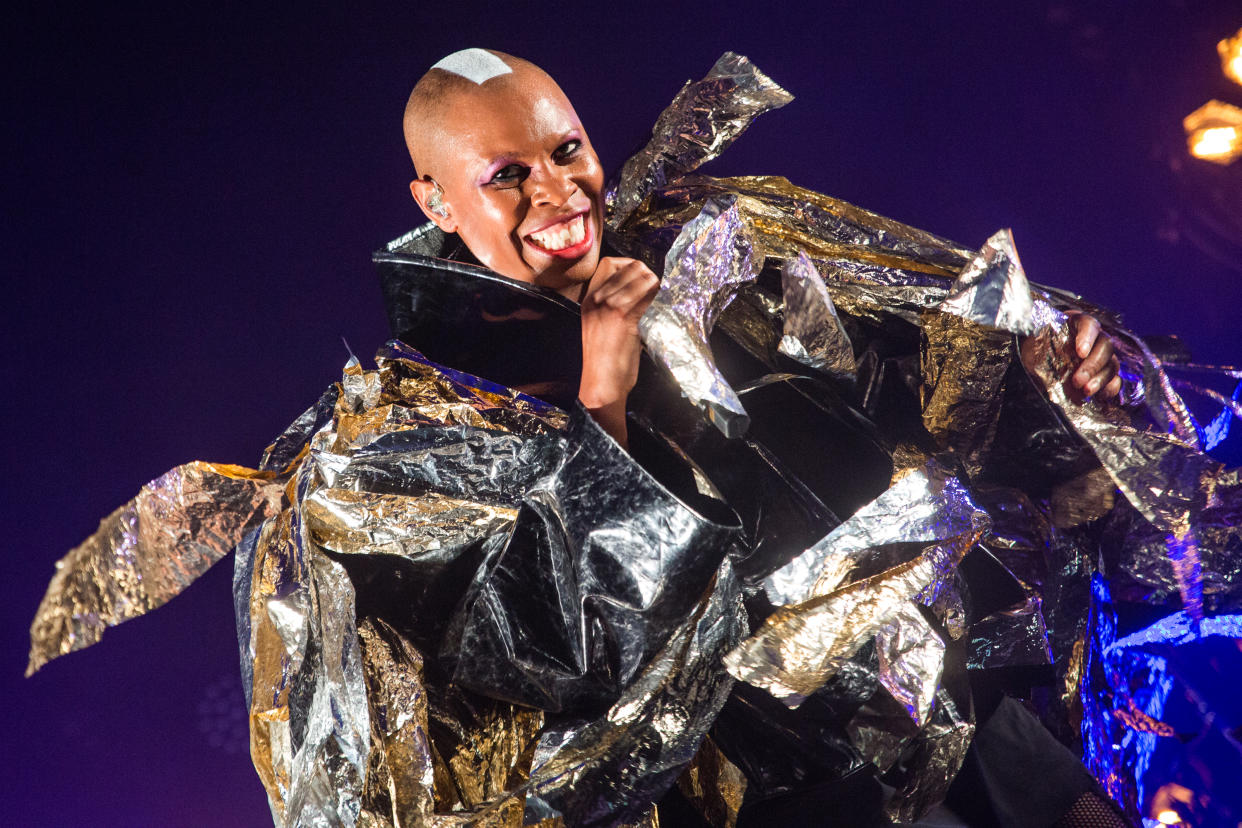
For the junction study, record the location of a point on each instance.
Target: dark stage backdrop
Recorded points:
(191, 196)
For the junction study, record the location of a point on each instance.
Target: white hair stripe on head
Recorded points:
(476, 65)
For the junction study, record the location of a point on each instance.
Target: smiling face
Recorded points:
(521, 184)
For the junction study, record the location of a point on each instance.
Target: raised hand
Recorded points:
(616, 297)
(1098, 370)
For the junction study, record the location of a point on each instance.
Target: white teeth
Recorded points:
(561, 236)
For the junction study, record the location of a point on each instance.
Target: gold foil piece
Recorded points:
(400, 777)
(830, 604)
(963, 367)
(485, 746)
(339, 717)
(787, 218)
(309, 719)
(801, 646)
(369, 523)
(714, 786)
(147, 552)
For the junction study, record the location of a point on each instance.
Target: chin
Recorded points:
(576, 273)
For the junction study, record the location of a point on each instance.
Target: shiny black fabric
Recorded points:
(601, 566)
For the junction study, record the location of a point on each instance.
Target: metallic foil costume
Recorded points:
(459, 603)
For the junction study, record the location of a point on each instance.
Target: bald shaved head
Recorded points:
(503, 161)
(469, 72)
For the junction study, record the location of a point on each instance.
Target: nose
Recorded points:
(550, 185)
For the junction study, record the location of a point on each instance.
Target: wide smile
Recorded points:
(568, 238)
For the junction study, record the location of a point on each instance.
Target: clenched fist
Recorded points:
(616, 297)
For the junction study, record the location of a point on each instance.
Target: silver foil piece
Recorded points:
(714, 255)
(1169, 482)
(911, 656)
(1163, 475)
(924, 506)
(992, 289)
(702, 121)
(310, 725)
(813, 333)
(860, 582)
(148, 551)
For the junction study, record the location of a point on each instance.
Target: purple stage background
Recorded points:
(191, 198)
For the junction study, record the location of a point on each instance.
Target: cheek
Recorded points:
(591, 181)
(489, 229)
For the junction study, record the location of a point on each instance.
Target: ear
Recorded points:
(422, 190)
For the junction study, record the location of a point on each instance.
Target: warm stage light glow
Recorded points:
(1214, 132)
(1165, 799)
(1214, 142)
(1231, 57)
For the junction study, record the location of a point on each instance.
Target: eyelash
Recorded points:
(513, 174)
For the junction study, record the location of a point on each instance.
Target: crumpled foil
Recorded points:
(714, 786)
(871, 248)
(932, 761)
(992, 289)
(921, 763)
(400, 777)
(309, 721)
(602, 562)
(607, 771)
(712, 257)
(701, 122)
(148, 551)
(426, 484)
(859, 582)
(1169, 482)
(425, 557)
(813, 333)
(927, 505)
(1164, 475)
(1015, 637)
(963, 366)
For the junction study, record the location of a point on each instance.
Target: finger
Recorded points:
(625, 275)
(636, 289)
(1104, 376)
(615, 282)
(1087, 331)
(1113, 388)
(1101, 355)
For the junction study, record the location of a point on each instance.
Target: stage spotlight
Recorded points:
(1214, 132)
(1231, 57)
